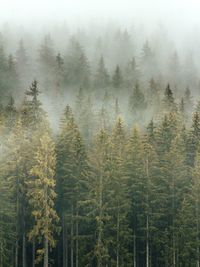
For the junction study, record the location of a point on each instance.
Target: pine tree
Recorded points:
(178, 184)
(46, 52)
(16, 173)
(117, 79)
(119, 206)
(102, 77)
(22, 62)
(7, 213)
(193, 139)
(147, 60)
(77, 65)
(31, 111)
(71, 168)
(84, 115)
(150, 162)
(10, 114)
(153, 96)
(188, 100)
(59, 73)
(131, 74)
(137, 100)
(174, 69)
(99, 198)
(168, 101)
(164, 134)
(41, 195)
(135, 174)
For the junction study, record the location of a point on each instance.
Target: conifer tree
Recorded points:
(71, 168)
(131, 74)
(77, 65)
(137, 100)
(16, 173)
(153, 96)
(7, 213)
(117, 79)
(168, 101)
(188, 100)
(178, 184)
(31, 111)
(135, 175)
(99, 197)
(10, 114)
(121, 233)
(22, 62)
(193, 139)
(59, 73)
(102, 77)
(41, 195)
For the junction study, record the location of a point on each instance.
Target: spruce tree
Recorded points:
(135, 174)
(120, 204)
(117, 79)
(168, 101)
(99, 198)
(102, 77)
(137, 101)
(77, 65)
(41, 195)
(71, 169)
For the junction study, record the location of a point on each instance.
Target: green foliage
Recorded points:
(41, 195)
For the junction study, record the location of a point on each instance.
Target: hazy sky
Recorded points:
(183, 11)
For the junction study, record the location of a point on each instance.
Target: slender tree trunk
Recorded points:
(33, 253)
(1, 256)
(118, 236)
(65, 244)
(134, 249)
(99, 242)
(72, 236)
(147, 216)
(197, 229)
(166, 250)
(77, 237)
(46, 253)
(16, 253)
(24, 250)
(147, 241)
(173, 226)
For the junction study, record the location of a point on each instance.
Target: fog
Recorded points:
(180, 12)
(169, 31)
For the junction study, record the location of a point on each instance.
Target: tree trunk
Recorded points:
(134, 249)
(77, 241)
(33, 253)
(46, 253)
(100, 230)
(118, 235)
(147, 217)
(197, 239)
(72, 236)
(16, 253)
(1, 256)
(65, 244)
(173, 226)
(24, 250)
(147, 241)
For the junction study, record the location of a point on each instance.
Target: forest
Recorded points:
(99, 149)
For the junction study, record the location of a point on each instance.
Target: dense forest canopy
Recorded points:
(100, 147)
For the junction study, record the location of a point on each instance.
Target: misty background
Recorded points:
(160, 38)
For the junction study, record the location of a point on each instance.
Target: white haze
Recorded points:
(144, 19)
(181, 13)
